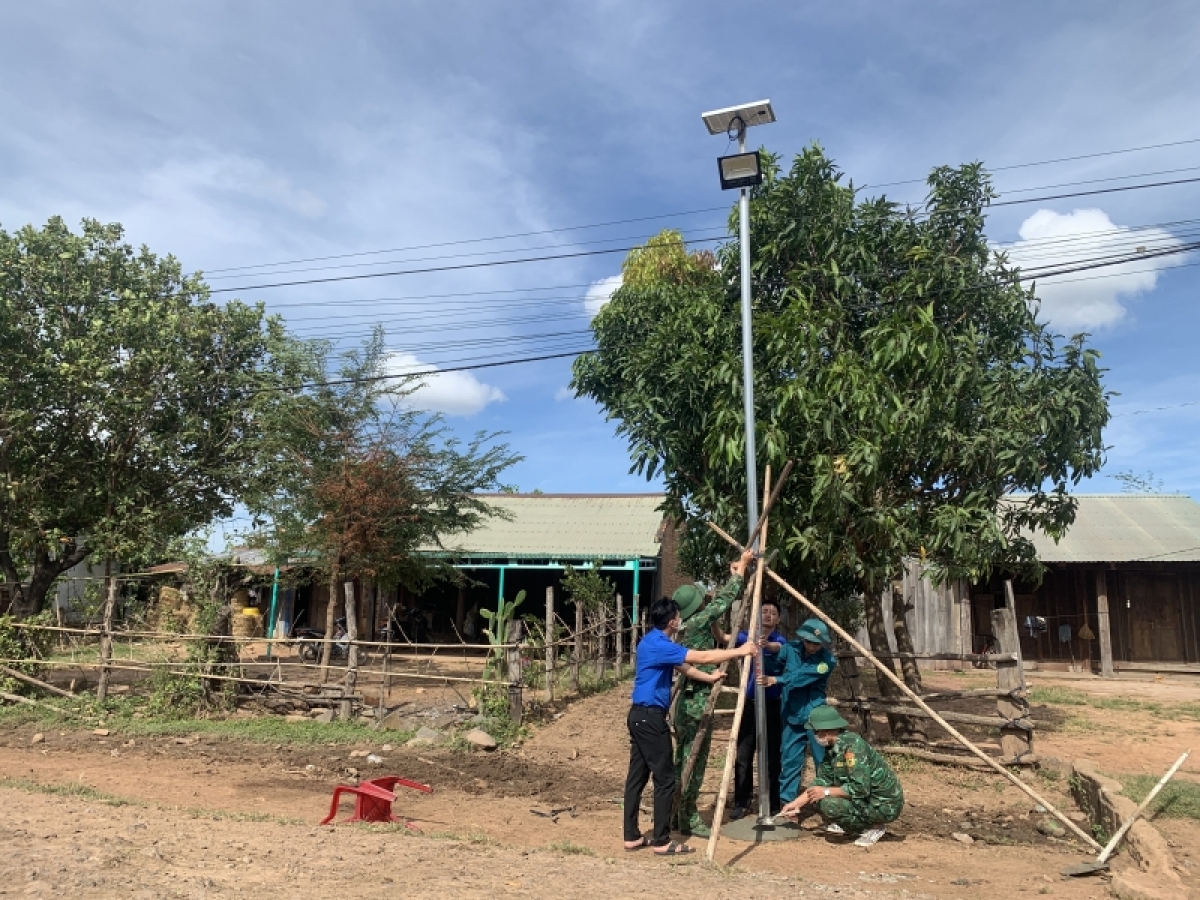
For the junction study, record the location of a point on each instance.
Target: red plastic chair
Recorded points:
(373, 800)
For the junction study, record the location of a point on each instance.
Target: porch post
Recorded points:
(1106, 660)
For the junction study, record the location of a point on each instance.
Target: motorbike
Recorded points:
(310, 641)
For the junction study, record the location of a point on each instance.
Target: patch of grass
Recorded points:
(1063, 696)
(571, 849)
(1060, 696)
(77, 791)
(1178, 800)
(1081, 725)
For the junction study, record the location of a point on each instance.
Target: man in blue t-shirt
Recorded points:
(771, 641)
(650, 749)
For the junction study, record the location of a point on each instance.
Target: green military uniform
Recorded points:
(874, 795)
(696, 634)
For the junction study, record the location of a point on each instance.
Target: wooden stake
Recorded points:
(1102, 627)
(550, 644)
(578, 646)
(620, 634)
(110, 602)
(351, 680)
(1015, 742)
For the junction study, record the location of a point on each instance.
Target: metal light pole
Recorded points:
(743, 171)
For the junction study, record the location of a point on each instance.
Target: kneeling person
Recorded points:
(855, 789)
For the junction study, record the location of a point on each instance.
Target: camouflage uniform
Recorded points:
(874, 795)
(696, 634)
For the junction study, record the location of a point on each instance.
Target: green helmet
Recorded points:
(689, 598)
(826, 718)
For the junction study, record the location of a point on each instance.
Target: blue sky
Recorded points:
(241, 134)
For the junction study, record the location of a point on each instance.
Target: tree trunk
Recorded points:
(912, 674)
(330, 616)
(347, 704)
(220, 651)
(30, 601)
(904, 728)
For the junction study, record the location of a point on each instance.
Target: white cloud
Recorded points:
(452, 393)
(600, 293)
(1084, 300)
(564, 393)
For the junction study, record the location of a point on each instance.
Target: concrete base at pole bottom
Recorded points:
(747, 829)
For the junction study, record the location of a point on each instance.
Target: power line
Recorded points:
(454, 268)
(586, 253)
(633, 237)
(502, 237)
(566, 229)
(1062, 159)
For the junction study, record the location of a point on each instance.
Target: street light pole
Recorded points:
(743, 171)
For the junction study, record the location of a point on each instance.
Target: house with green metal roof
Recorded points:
(1121, 590)
(536, 537)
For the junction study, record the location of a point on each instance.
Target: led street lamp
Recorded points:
(740, 170)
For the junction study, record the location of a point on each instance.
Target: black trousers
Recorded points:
(743, 785)
(650, 753)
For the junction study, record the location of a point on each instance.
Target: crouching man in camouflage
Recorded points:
(855, 790)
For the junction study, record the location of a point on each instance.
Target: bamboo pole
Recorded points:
(1116, 838)
(888, 673)
(29, 679)
(731, 750)
(912, 695)
(735, 622)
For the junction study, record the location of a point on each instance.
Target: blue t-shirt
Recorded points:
(770, 663)
(657, 657)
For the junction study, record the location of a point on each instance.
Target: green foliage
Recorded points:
(131, 405)
(589, 587)
(360, 478)
(897, 360)
(25, 647)
(174, 695)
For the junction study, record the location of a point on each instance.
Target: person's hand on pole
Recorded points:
(738, 566)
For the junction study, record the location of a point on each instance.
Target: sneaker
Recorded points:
(834, 828)
(736, 813)
(870, 837)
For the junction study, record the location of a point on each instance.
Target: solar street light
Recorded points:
(743, 171)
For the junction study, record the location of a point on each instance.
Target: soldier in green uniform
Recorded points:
(855, 789)
(697, 634)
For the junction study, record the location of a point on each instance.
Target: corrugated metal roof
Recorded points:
(1128, 528)
(566, 526)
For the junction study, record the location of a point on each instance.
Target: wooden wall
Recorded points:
(1154, 612)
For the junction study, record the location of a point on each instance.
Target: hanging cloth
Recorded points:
(1064, 632)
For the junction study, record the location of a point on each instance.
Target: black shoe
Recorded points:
(736, 813)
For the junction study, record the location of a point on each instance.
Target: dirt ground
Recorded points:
(114, 816)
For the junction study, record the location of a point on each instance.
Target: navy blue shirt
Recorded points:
(770, 663)
(657, 657)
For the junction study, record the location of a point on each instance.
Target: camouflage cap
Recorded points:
(689, 598)
(826, 718)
